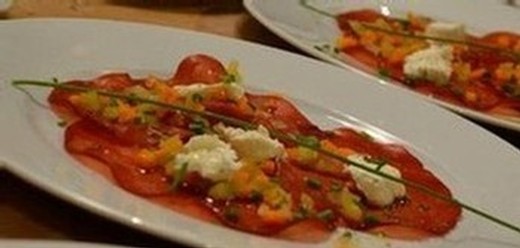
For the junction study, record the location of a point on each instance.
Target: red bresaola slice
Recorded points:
(117, 145)
(88, 138)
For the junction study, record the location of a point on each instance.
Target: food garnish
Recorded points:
(251, 162)
(435, 58)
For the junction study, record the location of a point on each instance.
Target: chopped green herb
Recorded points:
(312, 183)
(383, 73)
(301, 213)
(199, 126)
(62, 123)
(112, 102)
(275, 180)
(326, 215)
(335, 187)
(323, 48)
(310, 141)
(229, 79)
(55, 80)
(231, 213)
(512, 89)
(132, 98)
(197, 97)
(347, 235)
(405, 24)
(409, 81)
(256, 196)
(371, 220)
(179, 176)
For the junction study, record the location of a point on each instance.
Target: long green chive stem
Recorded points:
(512, 54)
(307, 5)
(507, 52)
(277, 134)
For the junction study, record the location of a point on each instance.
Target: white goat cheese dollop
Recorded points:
(253, 145)
(378, 190)
(433, 64)
(209, 156)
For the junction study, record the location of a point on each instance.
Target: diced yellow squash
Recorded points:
(347, 204)
(275, 215)
(221, 191)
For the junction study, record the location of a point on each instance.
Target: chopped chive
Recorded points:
(62, 123)
(198, 126)
(256, 196)
(197, 97)
(301, 213)
(308, 140)
(229, 79)
(312, 183)
(335, 187)
(326, 215)
(371, 220)
(180, 175)
(112, 102)
(275, 180)
(133, 98)
(347, 235)
(409, 81)
(231, 213)
(383, 73)
(405, 24)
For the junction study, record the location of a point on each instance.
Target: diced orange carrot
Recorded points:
(397, 56)
(126, 112)
(477, 74)
(346, 41)
(146, 158)
(470, 96)
(369, 37)
(504, 71)
(503, 41)
(268, 167)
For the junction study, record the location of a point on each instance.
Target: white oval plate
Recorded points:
(469, 159)
(306, 30)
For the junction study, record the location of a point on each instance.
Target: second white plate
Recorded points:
(306, 30)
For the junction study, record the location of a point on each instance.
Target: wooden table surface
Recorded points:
(27, 212)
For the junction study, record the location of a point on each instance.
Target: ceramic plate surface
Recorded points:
(306, 29)
(467, 158)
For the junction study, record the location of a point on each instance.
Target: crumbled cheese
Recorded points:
(209, 156)
(234, 90)
(432, 64)
(445, 30)
(377, 190)
(253, 145)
